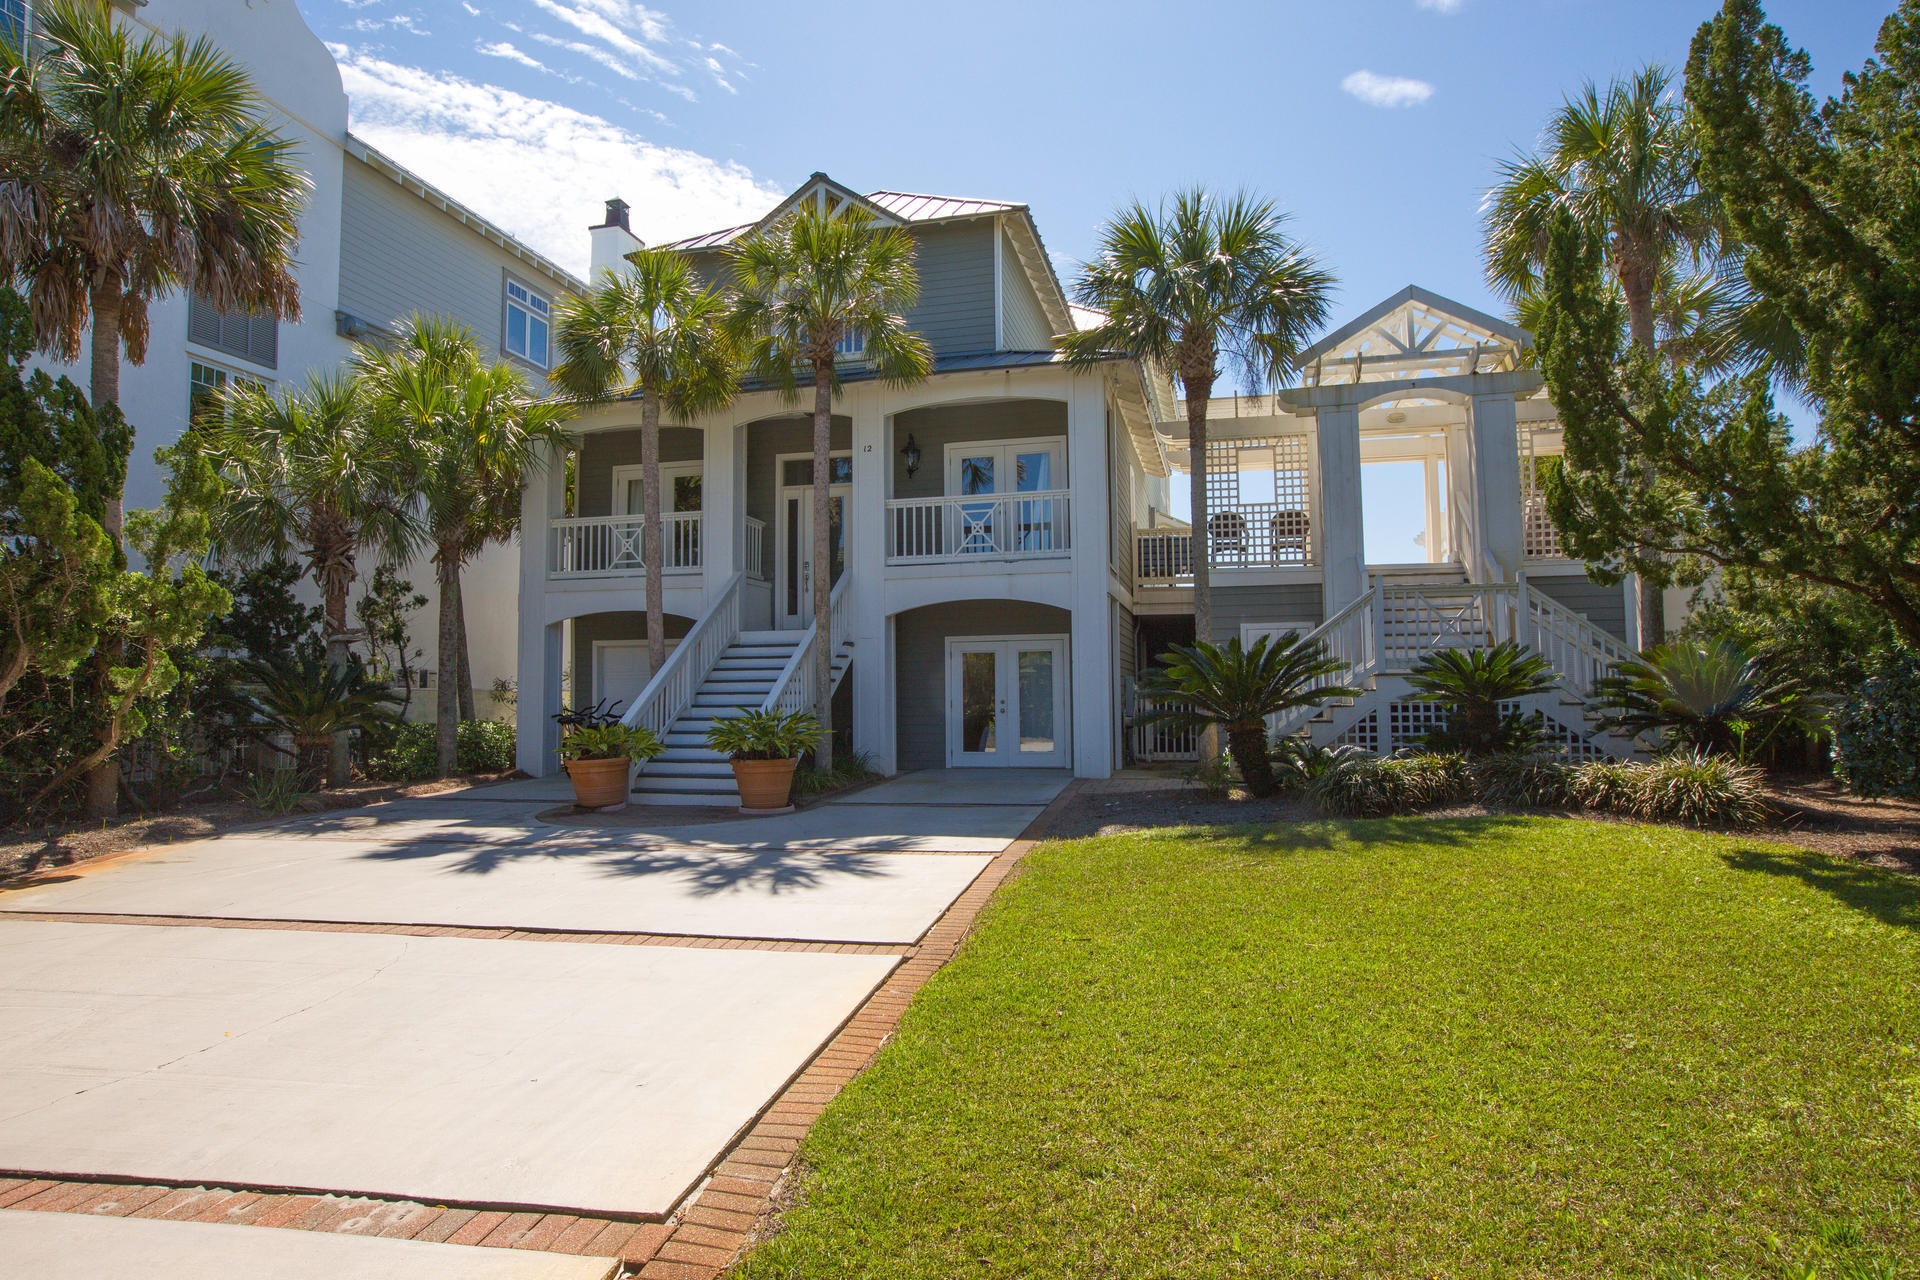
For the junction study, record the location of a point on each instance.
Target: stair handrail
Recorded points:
(670, 692)
(1579, 650)
(794, 691)
(1348, 635)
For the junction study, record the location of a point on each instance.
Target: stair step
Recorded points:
(711, 800)
(662, 767)
(788, 638)
(686, 755)
(701, 785)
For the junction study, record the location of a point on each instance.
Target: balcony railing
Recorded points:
(956, 530)
(613, 546)
(1253, 536)
(756, 549)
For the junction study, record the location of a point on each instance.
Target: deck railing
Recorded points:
(795, 688)
(607, 546)
(756, 549)
(1251, 536)
(1001, 526)
(672, 687)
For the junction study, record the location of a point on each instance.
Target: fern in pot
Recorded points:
(765, 747)
(600, 759)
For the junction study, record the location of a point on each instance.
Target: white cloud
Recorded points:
(1387, 91)
(620, 28)
(506, 49)
(538, 169)
(606, 59)
(1440, 6)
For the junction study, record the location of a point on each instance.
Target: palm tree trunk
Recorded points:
(339, 770)
(1199, 391)
(823, 562)
(103, 780)
(465, 687)
(1249, 743)
(1637, 284)
(446, 739)
(651, 534)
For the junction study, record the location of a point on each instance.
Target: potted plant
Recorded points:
(764, 748)
(600, 757)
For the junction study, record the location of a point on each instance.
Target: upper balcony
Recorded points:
(1030, 525)
(601, 547)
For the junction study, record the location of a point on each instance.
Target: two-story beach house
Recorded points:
(1004, 554)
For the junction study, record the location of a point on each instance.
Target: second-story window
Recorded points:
(253, 338)
(13, 20)
(205, 381)
(852, 345)
(527, 314)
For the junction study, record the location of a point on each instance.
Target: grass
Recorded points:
(1404, 1047)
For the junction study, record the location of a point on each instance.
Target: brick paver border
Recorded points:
(704, 1234)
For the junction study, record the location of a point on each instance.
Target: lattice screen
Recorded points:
(1259, 502)
(1539, 540)
(1363, 733)
(1409, 723)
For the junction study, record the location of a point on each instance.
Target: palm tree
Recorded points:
(1703, 695)
(655, 332)
(130, 169)
(1473, 683)
(317, 705)
(1204, 685)
(310, 472)
(1200, 281)
(807, 286)
(472, 428)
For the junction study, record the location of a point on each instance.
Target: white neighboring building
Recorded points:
(377, 244)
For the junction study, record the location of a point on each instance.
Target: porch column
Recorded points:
(538, 646)
(1461, 534)
(872, 673)
(1090, 658)
(723, 507)
(1496, 487)
(1341, 510)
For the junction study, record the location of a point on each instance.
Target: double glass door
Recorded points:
(1008, 523)
(1007, 702)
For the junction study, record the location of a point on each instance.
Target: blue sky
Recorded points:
(1375, 122)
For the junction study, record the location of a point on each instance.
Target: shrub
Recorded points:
(1377, 786)
(1604, 786)
(485, 746)
(1876, 735)
(1213, 777)
(1706, 695)
(852, 767)
(1297, 762)
(1473, 684)
(1535, 780)
(1701, 790)
(408, 755)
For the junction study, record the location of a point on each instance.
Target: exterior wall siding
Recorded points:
(955, 311)
(1023, 324)
(399, 256)
(1279, 602)
(1120, 469)
(935, 428)
(766, 441)
(602, 451)
(1605, 607)
(920, 664)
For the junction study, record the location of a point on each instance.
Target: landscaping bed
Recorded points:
(1405, 1047)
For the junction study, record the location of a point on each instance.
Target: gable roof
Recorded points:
(1413, 334)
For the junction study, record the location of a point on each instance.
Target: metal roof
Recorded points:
(911, 207)
(970, 363)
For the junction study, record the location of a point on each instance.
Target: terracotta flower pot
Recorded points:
(764, 784)
(599, 783)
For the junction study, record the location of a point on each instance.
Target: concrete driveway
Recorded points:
(240, 1012)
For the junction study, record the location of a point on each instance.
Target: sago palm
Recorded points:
(132, 167)
(1702, 695)
(1237, 688)
(315, 705)
(1201, 282)
(654, 332)
(312, 473)
(813, 281)
(1473, 683)
(473, 428)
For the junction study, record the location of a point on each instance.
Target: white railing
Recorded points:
(671, 690)
(794, 690)
(998, 526)
(756, 549)
(1259, 535)
(1580, 651)
(603, 546)
(1350, 636)
(1412, 621)
(1161, 740)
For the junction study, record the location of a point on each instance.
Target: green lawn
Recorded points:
(1410, 1048)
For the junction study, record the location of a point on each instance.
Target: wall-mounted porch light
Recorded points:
(911, 452)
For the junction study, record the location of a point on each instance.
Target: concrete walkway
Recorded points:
(174, 1021)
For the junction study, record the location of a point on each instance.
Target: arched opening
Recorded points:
(607, 658)
(983, 683)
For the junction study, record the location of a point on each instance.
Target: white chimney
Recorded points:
(613, 240)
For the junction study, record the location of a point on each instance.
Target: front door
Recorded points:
(793, 597)
(1007, 702)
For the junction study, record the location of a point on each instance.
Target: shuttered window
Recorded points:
(255, 339)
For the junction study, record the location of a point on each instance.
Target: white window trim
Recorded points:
(242, 375)
(1057, 445)
(669, 471)
(1062, 699)
(780, 461)
(507, 305)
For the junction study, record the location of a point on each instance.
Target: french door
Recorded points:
(1007, 524)
(793, 550)
(1007, 702)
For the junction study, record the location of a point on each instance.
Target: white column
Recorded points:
(1340, 508)
(872, 673)
(1436, 514)
(723, 506)
(1461, 534)
(1090, 655)
(542, 500)
(1496, 486)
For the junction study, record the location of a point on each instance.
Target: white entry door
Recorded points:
(1007, 702)
(793, 549)
(621, 671)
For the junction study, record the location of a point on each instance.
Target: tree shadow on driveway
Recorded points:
(774, 871)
